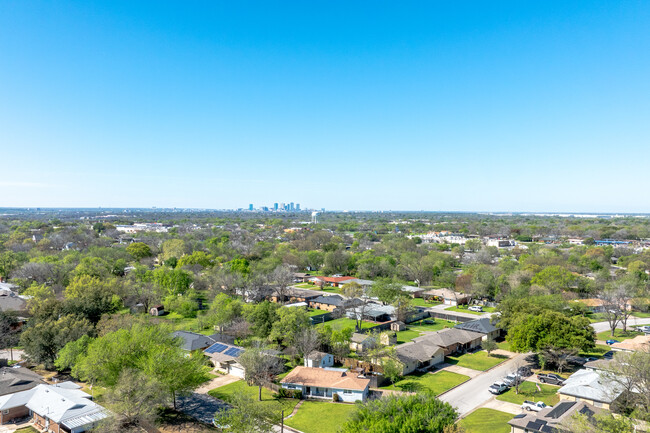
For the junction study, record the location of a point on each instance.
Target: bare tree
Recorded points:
(306, 341)
(261, 367)
(239, 329)
(282, 276)
(559, 357)
(358, 302)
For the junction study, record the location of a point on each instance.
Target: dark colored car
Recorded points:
(551, 378)
(609, 355)
(524, 371)
(610, 342)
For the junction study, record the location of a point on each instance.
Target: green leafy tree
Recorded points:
(419, 413)
(43, 340)
(139, 250)
(550, 328)
(247, 416)
(9, 331)
(71, 353)
(289, 323)
(173, 248)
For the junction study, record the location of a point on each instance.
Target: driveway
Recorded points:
(10, 428)
(632, 321)
(441, 309)
(474, 393)
(216, 383)
(201, 407)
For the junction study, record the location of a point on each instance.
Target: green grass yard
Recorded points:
(316, 312)
(463, 309)
(476, 361)
(240, 387)
(597, 352)
(320, 417)
(618, 335)
(344, 322)
(416, 329)
(504, 345)
(420, 302)
(435, 382)
(528, 391)
(486, 421)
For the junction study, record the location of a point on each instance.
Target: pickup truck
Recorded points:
(497, 388)
(536, 407)
(513, 379)
(551, 378)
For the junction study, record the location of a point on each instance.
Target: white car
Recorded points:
(536, 407)
(498, 388)
(476, 308)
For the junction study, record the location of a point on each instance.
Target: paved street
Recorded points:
(474, 393)
(6, 354)
(632, 321)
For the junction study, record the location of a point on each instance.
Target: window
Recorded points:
(5, 412)
(345, 391)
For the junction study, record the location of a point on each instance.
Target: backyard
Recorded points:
(528, 391)
(618, 335)
(344, 322)
(320, 417)
(416, 329)
(240, 387)
(420, 302)
(437, 383)
(476, 361)
(486, 421)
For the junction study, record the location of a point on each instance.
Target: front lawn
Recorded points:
(316, 312)
(437, 383)
(486, 421)
(476, 361)
(344, 322)
(597, 352)
(528, 391)
(28, 429)
(320, 417)
(618, 335)
(240, 387)
(420, 302)
(504, 345)
(463, 309)
(641, 314)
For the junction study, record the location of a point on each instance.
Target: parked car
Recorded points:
(498, 388)
(590, 358)
(551, 378)
(612, 341)
(531, 405)
(645, 329)
(476, 308)
(513, 379)
(524, 371)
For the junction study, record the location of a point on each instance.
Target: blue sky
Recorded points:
(438, 105)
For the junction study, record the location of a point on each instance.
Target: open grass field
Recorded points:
(528, 391)
(618, 335)
(320, 417)
(344, 322)
(463, 309)
(486, 421)
(476, 361)
(240, 387)
(435, 382)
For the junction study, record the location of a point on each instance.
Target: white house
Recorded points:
(323, 383)
(225, 358)
(319, 360)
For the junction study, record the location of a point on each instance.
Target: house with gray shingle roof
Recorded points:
(452, 340)
(482, 326)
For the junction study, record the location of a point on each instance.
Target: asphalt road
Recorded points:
(632, 321)
(474, 392)
(6, 354)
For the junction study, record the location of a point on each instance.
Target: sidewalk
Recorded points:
(460, 370)
(503, 406)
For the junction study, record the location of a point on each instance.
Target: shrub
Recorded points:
(336, 398)
(297, 394)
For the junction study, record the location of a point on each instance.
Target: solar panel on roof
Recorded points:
(560, 409)
(216, 348)
(233, 351)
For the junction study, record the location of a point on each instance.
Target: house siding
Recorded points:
(14, 412)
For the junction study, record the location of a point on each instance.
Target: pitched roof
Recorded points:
(446, 294)
(320, 377)
(192, 340)
(14, 380)
(335, 300)
(591, 385)
(480, 325)
(70, 407)
(547, 419)
(635, 344)
(421, 351)
(450, 336)
(358, 337)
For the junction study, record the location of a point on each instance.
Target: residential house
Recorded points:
(293, 294)
(332, 281)
(225, 358)
(328, 303)
(636, 344)
(191, 341)
(550, 418)
(323, 383)
(447, 296)
(482, 326)
(362, 342)
(590, 386)
(420, 355)
(301, 277)
(13, 380)
(54, 408)
(319, 360)
(452, 340)
(373, 312)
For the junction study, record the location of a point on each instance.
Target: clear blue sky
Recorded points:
(435, 105)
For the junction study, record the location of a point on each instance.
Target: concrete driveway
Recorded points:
(216, 383)
(474, 393)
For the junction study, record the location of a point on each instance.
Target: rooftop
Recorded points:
(319, 377)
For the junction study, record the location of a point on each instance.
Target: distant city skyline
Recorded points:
(467, 106)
